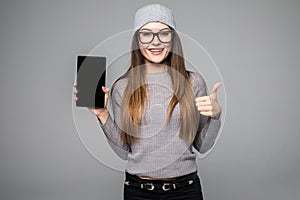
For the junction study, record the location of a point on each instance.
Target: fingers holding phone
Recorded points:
(75, 92)
(106, 95)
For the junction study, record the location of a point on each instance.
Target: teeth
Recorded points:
(156, 50)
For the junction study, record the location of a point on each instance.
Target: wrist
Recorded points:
(217, 116)
(102, 116)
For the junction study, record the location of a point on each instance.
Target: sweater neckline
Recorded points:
(157, 73)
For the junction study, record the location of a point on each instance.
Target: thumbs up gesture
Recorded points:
(208, 105)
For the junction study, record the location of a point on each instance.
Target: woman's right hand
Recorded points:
(101, 113)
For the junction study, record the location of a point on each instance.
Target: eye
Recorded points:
(146, 34)
(165, 33)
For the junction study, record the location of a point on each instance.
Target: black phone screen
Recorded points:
(91, 75)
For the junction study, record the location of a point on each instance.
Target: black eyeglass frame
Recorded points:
(155, 34)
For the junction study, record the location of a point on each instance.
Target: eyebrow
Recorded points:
(146, 29)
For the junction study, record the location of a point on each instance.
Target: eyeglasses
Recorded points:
(147, 37)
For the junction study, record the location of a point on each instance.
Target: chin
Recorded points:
(156, 60)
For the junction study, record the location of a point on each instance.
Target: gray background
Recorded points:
(254, 43)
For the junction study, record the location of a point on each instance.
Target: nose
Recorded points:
(156, 40)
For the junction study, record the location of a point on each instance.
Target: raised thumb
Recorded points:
(215, 89)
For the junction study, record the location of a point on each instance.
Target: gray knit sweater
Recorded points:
(159, 151)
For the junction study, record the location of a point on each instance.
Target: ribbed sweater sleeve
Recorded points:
(111, 126)
(208, 127)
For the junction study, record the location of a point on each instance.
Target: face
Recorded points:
(156, 49)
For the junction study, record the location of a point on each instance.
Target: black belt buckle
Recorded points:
(148, 186)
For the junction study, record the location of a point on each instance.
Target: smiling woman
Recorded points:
(161, 112)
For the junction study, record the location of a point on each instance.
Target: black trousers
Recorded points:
(192, 191)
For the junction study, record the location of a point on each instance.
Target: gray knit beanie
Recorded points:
(154, 13)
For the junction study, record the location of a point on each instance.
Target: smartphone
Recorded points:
(90, 77)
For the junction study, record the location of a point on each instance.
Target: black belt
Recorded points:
(162, 186)
(180, 182)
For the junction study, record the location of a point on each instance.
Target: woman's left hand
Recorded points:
(208, 105)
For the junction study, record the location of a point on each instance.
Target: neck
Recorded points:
(155, 67)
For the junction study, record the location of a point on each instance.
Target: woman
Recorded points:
(161, 111)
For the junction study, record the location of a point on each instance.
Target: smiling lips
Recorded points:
(156, 51)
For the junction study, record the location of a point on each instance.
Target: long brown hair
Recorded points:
(135, 94)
